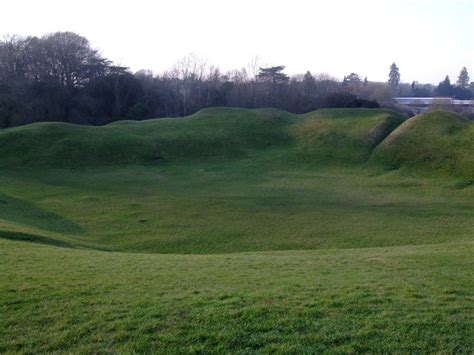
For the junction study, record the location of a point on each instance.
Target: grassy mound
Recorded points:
(431, 144)
(342, 136)
(219, 132)
(67, 145)
(334, 135)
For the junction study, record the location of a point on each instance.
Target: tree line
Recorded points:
(60, 77)
(463, 89)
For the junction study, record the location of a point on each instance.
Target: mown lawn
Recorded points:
(394, 299)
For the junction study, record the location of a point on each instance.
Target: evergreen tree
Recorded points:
(309, 83)
(463, 79)
(353, 79)
(273, 75)
(352, 83)
(445, 88)
(394, 76)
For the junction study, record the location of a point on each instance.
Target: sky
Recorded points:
(427, 39)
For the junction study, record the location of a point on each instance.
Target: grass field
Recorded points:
(239, 231)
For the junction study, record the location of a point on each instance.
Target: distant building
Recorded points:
(422, 104)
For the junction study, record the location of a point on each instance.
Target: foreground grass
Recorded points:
(397, 299)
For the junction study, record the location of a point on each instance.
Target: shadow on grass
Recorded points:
(34, 238)
(25, 212)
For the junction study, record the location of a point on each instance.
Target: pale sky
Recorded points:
(428, 39)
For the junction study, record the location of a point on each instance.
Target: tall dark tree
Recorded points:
(273, 84)
(394, 76)
(46, 77)
(309, 83)
(353, 78)
(463, 78)
(352, 83)
(67, 59)
(273, 75)
(461, 90)
(445, 88)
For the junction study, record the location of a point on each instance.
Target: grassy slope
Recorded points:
(325, 135)
(377, 300)
(247, 205)
(342, 136)
(430, 144)
(218, 133)
(306, 190)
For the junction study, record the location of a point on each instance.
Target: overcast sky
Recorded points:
(426, 38)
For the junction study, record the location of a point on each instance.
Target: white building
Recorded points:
(422, 103)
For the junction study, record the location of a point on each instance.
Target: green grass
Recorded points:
(253, 204)
(254, 231)
(399, 299)
(342, 136)
(211, 133)
(435, 143)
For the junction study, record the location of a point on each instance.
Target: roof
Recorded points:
(429, 101)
